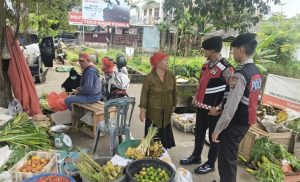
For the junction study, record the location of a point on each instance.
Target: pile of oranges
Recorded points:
(34, 164)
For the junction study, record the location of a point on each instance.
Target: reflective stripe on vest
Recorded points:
(215, 89)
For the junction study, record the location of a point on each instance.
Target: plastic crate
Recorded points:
(51, 167)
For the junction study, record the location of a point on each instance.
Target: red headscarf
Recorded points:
(107, 65)
(156, 58)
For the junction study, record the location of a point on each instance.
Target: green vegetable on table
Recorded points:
(22, 136)
(21, 131)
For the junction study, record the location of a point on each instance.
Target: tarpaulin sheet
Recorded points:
(20, 77)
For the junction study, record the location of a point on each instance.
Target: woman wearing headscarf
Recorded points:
(158, 99)
(72, 82)
(114, 82)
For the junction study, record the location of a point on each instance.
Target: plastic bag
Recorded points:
(14, 107)
(87, 118)
(57, 101)
(183, 175)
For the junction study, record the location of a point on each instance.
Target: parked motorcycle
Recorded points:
(60, 53)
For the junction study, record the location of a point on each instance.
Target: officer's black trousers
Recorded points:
(230, 139)
(204, 122)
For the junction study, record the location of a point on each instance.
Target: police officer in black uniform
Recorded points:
(240, 108)
(215, 74)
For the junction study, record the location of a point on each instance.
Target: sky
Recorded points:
(290, 7)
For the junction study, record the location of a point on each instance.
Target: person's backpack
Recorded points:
(120, 80)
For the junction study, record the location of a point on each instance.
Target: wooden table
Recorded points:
(97, 109)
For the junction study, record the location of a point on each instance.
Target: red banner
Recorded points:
(75, 18)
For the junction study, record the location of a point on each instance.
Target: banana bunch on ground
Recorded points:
(133, 153)
(111, 172)
(156, 149)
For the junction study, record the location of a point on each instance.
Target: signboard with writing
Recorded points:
(75, 18)
(98, 12)
(92, 10)
(282, 92)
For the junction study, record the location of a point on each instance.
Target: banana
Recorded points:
(114, 174)
(106, 170)
(242, 158)
(118, 169)
(251, 171)
(111, 178)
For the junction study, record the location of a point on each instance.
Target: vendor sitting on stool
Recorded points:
(115, 81)
(90, 86)
(72, 82)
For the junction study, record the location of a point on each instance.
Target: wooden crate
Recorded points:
(287, 139)
(249, 139)
(97, 109)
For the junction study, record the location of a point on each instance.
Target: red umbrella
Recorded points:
(20, 76)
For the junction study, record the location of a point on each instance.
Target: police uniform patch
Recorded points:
(256, 84)
(232, 81)
(214, 71)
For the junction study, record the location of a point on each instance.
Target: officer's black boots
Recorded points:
(204, 169)
(190, 160)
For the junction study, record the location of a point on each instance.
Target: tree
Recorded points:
(221, 14)
(278, 37)
(16, 11)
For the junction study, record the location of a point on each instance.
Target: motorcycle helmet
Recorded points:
(121, 61)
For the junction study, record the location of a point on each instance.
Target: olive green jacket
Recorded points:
(159, 98)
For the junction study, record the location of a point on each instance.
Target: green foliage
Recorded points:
(48, 17)
(268, 147)
(184, 66)
(269, 172)
(294, 125)
(277, 40)
(43, 25)
(229, 14)
(289, 70)
(264, 148)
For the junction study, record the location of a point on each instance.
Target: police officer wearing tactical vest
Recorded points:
(240, 108)
(215, 74)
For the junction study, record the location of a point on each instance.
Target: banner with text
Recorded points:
(75, 18)
(282, 92)
(98, 12)
(92, 10)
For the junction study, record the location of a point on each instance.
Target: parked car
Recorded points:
(37, 54)
(68, 38)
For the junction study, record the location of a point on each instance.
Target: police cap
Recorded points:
(213, 43)
(243, 39)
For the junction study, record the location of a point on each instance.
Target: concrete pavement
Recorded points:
(184, 142)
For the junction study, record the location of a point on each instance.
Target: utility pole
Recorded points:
(281, 13)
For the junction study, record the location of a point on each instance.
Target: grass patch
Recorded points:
(184, 66)
(290, 70)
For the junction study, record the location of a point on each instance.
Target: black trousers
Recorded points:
(204, 122)
(230, 139)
